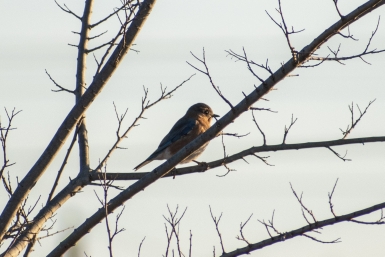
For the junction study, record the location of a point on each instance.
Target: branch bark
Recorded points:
(81, 84)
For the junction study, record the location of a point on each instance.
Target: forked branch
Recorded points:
(207, 73)
(282, 25)
(353, 122)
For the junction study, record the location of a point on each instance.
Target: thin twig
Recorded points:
(286, 132)
(353, 123)
(140, 246)
(216, 222)
(60, 87)
(60, 171)
(330, 195)
(242, 225)
(303, 207)
(207, 73)
(67, 10)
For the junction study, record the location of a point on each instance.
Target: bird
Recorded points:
(195, 122)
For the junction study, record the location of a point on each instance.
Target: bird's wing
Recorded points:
(181, 129)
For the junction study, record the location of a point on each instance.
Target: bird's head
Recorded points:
(201, 111)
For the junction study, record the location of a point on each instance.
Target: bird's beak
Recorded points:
(215, 116)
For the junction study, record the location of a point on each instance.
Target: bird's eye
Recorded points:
(206, 112)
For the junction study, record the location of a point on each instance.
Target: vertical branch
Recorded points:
(190, 248)
(3, 138)
(81, 82)
(174, 222)
(106, 186)
(140, 246)
(216, 222)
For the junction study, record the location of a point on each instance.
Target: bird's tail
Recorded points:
(142, 164)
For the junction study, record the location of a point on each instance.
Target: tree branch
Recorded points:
(238, 156)
(301, 231)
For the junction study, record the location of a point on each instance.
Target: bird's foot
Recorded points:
(173, 173)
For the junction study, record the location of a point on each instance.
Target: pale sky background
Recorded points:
(35, 37)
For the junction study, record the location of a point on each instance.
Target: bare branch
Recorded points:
(166, 95)
(353, 123)
(348, 36)
(313, 65)
(121, 32)
(322, 241)
(67, 10)
(98, 35)
(243, 58)
(4, 132)
(145, 106)
(286, 132)
(64, 163)
(242, 225)
(140, 246)
(330, 195)
(285, 30)
(126, 3)
(60, 87)
(264, 159)
(260, 130)
(207, 73)
(301, 231)
(234, 135)
(338, 155)
(365, 52)
(380, 221)
(174, 222)
(111, 42)
(224, 158)
(304, 208)
(337, 9)
(250, 69)
(216, 222)
(238, 156)
(190, 248)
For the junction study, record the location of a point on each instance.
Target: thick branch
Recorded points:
(81, 84)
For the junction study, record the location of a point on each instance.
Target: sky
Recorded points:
(35, 38)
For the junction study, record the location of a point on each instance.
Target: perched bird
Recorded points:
(195, 122)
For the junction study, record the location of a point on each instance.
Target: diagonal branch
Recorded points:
(60, 87)
(123, 7)
(301, 231)
(354, 123)
(60, 171)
